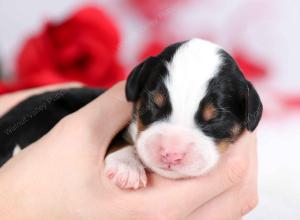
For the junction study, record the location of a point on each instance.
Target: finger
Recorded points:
(234, 203)
(9, 100)
(230, 205)
(104, 117)
(231, 170)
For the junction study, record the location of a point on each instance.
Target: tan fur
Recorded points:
(223, 145)
(209, 112)
(140, 125)
(159, 99)
(236, 130)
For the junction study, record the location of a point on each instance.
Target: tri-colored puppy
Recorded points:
(190, 102)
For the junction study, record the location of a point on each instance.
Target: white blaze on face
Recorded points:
(192, 66)
(190, 70)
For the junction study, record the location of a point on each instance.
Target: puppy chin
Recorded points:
(184, 173)
(199, 159)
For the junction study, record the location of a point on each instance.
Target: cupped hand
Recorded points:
(61, 175)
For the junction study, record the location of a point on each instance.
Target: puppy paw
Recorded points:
(125, 169)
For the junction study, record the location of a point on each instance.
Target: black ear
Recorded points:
(254, 107)
(138, 78)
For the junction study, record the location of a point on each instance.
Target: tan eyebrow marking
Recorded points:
(159, 99)
(209, 112)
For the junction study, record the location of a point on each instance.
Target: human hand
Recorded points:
(61, 176)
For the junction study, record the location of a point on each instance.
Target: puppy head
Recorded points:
(191, 102)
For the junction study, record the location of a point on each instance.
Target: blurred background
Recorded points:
(98, 42)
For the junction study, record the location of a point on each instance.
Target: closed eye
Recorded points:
(157, 98)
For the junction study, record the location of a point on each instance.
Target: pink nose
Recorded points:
(172, 158)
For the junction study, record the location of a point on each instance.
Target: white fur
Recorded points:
(17, 149)
(192, 66)
(204, 148)
(125, 169)
(190, 70)
(133, 131)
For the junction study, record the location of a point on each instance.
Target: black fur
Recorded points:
(35, 116)
(138, 78)
(147, 79)
(254, 107)
(235, 100)
(150, 112)
(149, 70)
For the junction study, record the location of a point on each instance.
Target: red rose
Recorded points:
(81, 48)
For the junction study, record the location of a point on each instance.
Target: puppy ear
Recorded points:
(138, 78)
(254, 107)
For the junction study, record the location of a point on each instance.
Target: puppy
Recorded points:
(190, 102)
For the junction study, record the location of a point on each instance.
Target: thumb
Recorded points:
(104, 117)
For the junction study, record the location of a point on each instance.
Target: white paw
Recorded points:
(124, 168)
